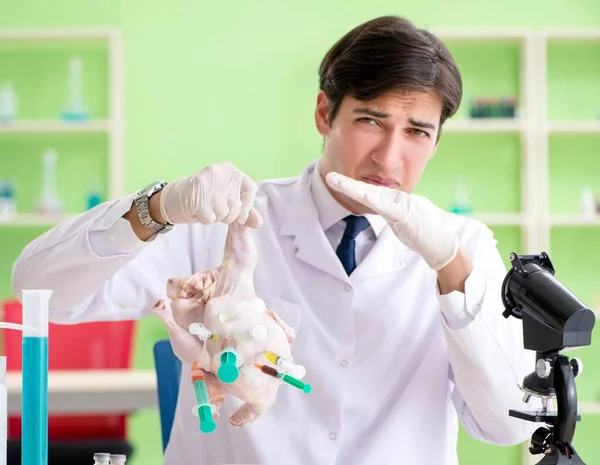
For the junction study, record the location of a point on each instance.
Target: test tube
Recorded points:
(4, 395)
(205, 408)
(34, 445)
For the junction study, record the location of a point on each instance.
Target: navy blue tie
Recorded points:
(346, 249)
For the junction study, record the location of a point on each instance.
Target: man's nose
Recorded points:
(388, 154)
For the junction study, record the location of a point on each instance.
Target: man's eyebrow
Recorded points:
(421, 124)
(368, 111)
(379, 114)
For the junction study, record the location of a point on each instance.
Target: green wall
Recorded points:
(209, 81)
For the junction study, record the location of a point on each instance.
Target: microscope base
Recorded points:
(558, 458)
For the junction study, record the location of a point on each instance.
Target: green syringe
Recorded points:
(229, 371)
(203, 405)
(295, 382)
(267, 370)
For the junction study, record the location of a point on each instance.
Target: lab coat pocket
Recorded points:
(288, 311)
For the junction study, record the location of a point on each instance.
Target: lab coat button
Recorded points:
(295, 249)
(332, 436)
(343, 363)
(112, 239)
(348, 287)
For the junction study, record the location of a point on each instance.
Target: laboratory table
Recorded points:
(91, 391)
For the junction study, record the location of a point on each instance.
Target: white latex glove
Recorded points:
(217, 193)
(414, 219)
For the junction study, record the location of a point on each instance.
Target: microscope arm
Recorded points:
(566, 400)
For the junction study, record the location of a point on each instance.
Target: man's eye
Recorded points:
(370, 121)
(420, 133)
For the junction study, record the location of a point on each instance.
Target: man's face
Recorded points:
(387, 141)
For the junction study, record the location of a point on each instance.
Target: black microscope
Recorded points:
(553, 319)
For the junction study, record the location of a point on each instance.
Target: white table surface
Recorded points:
(102, 391)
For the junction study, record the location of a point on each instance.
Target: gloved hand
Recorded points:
(217, 193)
(414, 219)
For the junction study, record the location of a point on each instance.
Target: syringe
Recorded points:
(203, 333)
(267, 370)
(203, 408)
(285, 364)
(229, 361)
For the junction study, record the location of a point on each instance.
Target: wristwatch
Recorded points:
(141, 199)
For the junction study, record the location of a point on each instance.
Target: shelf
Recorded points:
(573, 219)
(499, 219)
(574, 127)
(589, 408)
(55, 34)
(570, 34)
(484, 125)
(52, 126)
(32, 219)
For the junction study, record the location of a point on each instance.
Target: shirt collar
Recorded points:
(330, 211)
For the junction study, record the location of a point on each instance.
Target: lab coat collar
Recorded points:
(301, 220)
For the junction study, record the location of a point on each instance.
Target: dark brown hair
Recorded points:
(389, 54)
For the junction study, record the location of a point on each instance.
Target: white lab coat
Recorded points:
(393, 365)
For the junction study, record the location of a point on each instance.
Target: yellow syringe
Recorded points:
(285, 364)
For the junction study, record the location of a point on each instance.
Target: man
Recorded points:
(396, 304)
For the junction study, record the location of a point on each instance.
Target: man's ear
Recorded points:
(322, 114)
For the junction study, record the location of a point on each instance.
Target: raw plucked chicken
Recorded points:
(218, 325)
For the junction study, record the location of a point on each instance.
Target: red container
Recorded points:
(84, 346)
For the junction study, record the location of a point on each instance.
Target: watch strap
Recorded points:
(141, 200)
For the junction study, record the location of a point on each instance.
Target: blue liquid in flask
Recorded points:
(34, 445)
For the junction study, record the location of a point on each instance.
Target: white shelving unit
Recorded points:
(501, 219)
(44, 127)
(534, 128)
(548, 127)
(523, 125)
(113, 127)
(490, 125)
(571, 220)
(572, 127)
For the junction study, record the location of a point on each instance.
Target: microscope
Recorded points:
(553, 319)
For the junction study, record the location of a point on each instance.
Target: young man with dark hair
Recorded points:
(395, 303)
